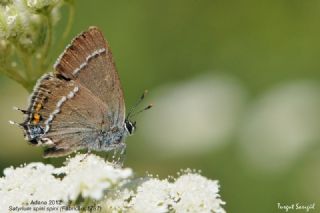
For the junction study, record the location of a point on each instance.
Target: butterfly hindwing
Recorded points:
(59, 119)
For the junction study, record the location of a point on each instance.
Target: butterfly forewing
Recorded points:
(88, 60)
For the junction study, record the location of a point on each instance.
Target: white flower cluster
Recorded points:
(89, 178)
(22, 21)
(82, 176)
(190, 192)
(40, 4)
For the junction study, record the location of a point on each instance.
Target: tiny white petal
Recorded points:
(152, 196)
(11, 19)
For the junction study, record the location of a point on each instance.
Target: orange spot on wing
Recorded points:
(36, 118)
(38, 107)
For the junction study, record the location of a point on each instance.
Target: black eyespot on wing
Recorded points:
(33, 141)
(61, 77)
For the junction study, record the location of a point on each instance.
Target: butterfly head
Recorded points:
(130, 126)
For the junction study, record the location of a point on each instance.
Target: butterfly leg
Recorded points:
(86, 155)
(119, 155)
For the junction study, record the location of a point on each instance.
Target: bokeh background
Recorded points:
(236, 88)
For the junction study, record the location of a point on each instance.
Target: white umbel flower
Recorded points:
(108, 188)
(21, 20)
(32, 182)
(195, 193)
(152, 196)
(40, 4)
(118, 201)
(191, 192)
(89, 176)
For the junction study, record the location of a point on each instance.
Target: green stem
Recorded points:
(86, 203)
(69, 24)
(45, 59)
(45, 56)
(70, 20)
(26, 60)
(14, 75)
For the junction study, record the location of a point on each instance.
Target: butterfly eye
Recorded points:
(133, 127)
(130, 127)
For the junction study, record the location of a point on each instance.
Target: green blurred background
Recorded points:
(236, 91)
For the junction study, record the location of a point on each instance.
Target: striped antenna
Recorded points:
(144, 109)
(136, 104)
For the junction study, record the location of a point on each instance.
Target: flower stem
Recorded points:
(45, 59)
(70, 20)
(26, 60)
(15, 75)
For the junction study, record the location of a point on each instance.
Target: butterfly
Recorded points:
(81, 104)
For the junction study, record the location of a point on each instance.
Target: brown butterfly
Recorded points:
(80, 105)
